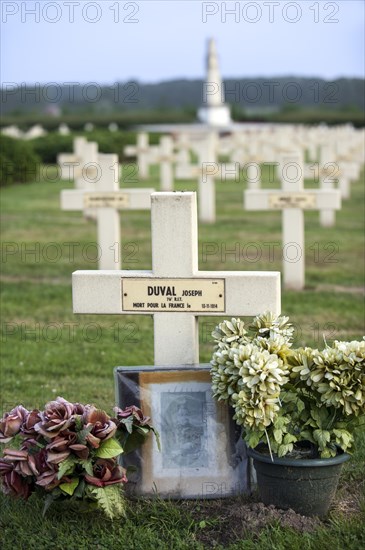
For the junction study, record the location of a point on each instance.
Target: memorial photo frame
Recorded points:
(202, 453)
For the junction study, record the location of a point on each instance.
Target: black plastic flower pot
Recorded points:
(307, 486)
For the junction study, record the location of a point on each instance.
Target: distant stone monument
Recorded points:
(214, 112)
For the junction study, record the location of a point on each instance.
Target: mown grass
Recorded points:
(48, 351)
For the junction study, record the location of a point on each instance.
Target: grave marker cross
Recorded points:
(166, 157)
(106, 200)
(141, 151)
(81, 165)
(207, 170)
(175, 292)
(291, 200)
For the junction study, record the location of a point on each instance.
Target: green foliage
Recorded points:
(66, 467)
(283, 396)
(111, 500)
(69, 487)
(51, 145)
(76, 121)
(114, 142)
(109, 449)
(18, 161)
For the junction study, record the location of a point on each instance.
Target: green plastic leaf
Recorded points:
(253, 439)
(82, 435)
(307, 435)
(328, 453)
(320, 415)
(343, 438)
(158, 441)
(289, 438)
(128, 423)
(285, 449)
(281, 422)
(87, 465)
(69, 488)
(109, 449)
(79, 491)
(322, 437)
(66, 467)
(110, 500)
(278, 436)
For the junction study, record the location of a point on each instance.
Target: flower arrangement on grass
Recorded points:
(283, 396)
(70, 451)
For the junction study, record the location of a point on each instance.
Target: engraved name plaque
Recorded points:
(147, 294)
(108, 199)
(292, 200)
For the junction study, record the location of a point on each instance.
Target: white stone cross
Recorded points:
(183, 149)
(207, 171)
(141, 151)
(292, 199)
(328, 172)
(348, 172)
(175, 291)
(253, 168)
(81, 165)
(106, 200)
(166, 158)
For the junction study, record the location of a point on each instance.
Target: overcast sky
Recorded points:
(150, 41)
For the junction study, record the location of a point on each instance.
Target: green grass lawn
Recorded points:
(48, 351)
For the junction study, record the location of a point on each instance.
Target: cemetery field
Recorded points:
(48, 351)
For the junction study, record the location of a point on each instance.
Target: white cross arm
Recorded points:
(136, 199)
(218, 171)
(63, 158)
(310, 199)
(69, 164)
(246, 293)
(130, 150)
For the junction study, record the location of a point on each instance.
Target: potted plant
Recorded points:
(69, 451)
(298, 408)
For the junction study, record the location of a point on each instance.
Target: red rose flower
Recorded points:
(106, 472)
